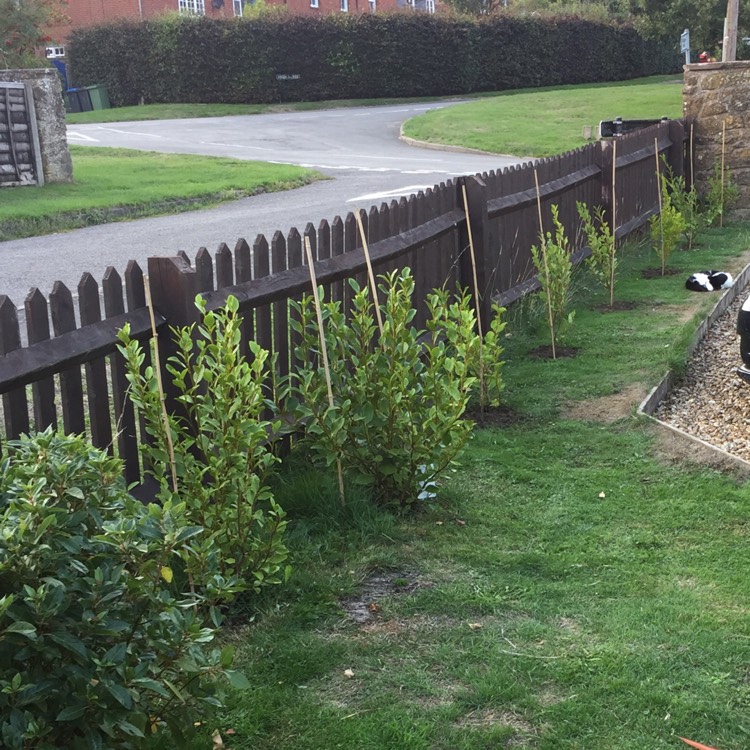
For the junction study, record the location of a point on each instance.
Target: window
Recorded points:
(314, 3)
(373, 5)
(430, 6)
(237, 7)
(192, 7)
(344, 6)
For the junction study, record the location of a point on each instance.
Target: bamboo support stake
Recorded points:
(658, 190)
(477, 306)
(543, 250)
(160, 384)
(614, 226)
(370, 274)
(723, 156)
(323, 352)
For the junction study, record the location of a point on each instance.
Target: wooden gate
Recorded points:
(20, 156)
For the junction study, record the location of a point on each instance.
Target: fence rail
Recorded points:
(71, 373)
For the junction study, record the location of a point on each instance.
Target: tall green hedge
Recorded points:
(278, 59)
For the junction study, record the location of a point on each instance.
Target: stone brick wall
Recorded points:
(717, 99)
(50, 114)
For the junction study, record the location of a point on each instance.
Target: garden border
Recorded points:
(649, 404)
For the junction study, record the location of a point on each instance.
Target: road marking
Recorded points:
(235, 145)
(81, 136)
(397, 193)
(129, 132)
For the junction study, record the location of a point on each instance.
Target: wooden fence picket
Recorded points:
(15, 404)
(125, 432)
(37, 330)
(71, 381)
(97, 389)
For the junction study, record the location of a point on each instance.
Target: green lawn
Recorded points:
(543, 122)
(573, 589)
(111, 184)
(182, 111)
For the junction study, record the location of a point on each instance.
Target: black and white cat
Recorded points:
(709, 281)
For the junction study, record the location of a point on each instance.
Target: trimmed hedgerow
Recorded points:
(297, 58)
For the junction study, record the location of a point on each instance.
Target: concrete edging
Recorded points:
(457, 149)
(649, 404)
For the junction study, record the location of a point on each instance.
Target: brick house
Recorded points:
(92, 12)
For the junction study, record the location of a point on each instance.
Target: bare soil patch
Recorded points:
(487, 717)
(364, 608)
(608, 409)
(616, 306)
(495, 416)
(655, 273)
(545, 352)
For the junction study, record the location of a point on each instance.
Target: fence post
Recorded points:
(174, 285)
(676, 153)
(476, 197)
(603, 160)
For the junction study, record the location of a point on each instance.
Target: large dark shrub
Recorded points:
(298, 58)
(97, 646)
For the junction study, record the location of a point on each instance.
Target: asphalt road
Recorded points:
(359, 149)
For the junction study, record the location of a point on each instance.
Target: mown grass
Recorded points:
(543, 122)
(182, 111)
(111, 184)
(574, 587)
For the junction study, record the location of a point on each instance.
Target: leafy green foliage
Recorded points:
(686, 202)
(492, 359)
(97, 649)
(298, 58)
(554, 270)
(603, 259)
(667, 227)
(722, 194)
(23, 30)
(396, 423)
(221, 456)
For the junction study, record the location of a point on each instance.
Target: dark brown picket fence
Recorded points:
(71, 376)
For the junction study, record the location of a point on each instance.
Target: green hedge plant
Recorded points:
(215, 455)
(721, 195)
(98, 647)
(397, 423)
(554, 266)
(280, 58)
(666, 227)
(603, 259)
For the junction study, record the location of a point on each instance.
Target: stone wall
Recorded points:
(717, 99)
(50, 115)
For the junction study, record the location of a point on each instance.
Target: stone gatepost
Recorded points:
(50, 114)
(717, 100)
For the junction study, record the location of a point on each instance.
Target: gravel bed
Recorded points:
(711, 402)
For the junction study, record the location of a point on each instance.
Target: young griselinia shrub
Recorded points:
(215, 457)
(554, 270)
(667, 227)
(396, 423)
(603, 260)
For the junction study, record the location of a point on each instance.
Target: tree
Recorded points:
(22, 29)
(477, 7)
(667, 19)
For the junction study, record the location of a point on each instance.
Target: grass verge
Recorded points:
(544, 122)
(183, 111)
(573, 589)
(118, 184)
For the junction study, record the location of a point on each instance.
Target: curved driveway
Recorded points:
(358, 148)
